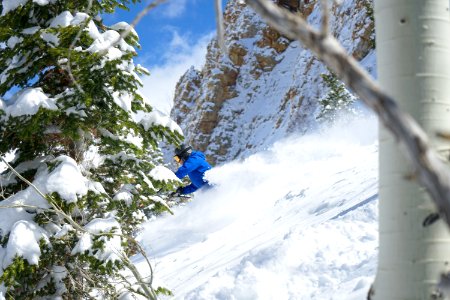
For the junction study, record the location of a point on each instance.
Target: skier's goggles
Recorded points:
(177, 159)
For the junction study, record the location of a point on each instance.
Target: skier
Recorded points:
(193, 164)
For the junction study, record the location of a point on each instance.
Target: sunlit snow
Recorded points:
(298, 221)
(28, 102)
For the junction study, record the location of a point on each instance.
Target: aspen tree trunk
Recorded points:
(413, 53)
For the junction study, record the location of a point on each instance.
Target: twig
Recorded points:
(2, 191)
(146, 259)
(219, 25)
(48, 198)
(325, 17)
(146, 286)
(133, 24)
(127, 285)
(80, 284)
(86, 276)
(148, 290)
(141, 14)
(28, 206)
(432, 172)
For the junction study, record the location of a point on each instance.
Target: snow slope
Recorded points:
(297, 221)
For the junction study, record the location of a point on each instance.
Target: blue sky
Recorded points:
(173, 37)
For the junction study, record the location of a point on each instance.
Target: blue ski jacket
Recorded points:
(195, 167)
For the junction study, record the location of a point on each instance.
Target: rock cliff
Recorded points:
(267, 86)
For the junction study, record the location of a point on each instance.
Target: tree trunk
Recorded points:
(413, 53)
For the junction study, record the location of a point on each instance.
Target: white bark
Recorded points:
(413, 54)
(430, 170)
(414, 60)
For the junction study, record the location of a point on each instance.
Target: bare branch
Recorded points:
(48, 198)
(27, 206)
(2, 191)
(133, 24)
(220, 26)
(147, 288)
(138, 18)
(141, 250)
(431, 170)
(325, 17)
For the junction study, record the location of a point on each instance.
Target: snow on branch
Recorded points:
(432, 172)
(124, 29)
(94, 228)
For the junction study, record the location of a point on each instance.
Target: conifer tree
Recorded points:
(76, 126)
(337, 99)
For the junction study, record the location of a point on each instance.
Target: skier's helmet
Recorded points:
(182, 152)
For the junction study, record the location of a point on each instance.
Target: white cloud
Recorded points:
(181, 54)
(174, 8)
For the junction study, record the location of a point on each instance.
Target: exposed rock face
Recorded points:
(266, 87)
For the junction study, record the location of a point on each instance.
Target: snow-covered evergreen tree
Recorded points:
(76, 126)
(338, 99)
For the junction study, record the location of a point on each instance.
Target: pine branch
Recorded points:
(72, 46)
(432, 172)
(122, 36)
(133, 24)
(50, 200)
(150, 293)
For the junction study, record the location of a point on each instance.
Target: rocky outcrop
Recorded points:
(265, 87)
